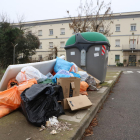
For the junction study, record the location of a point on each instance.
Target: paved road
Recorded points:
(120, 117)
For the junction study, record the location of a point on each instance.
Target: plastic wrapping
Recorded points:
(28, 73)
(49, 76)
(40, 102)
(75, 74)
(83, 75)
(24, 85)
(62, 65)
(74, 68)
(59, 76)
(83, 88)
(92, 83)
(9, 101)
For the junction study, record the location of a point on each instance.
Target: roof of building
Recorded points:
(135, 14)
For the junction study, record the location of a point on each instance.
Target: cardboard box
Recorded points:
(65, 104)
(76, 103)
(65, 83)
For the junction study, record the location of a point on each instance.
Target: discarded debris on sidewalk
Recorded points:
(41, 100)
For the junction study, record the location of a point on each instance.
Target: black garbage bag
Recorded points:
(40, 102)
(50, 89)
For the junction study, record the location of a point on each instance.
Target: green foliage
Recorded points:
(124, 60)
(9, 36)
(119, 64)
(139, 61)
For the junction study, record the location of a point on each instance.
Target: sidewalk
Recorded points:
(14, 126)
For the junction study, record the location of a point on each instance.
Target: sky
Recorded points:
(33, 10)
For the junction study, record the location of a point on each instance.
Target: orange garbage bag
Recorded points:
(24, 85)
(83, 88)
(12, 83)
(9, 101)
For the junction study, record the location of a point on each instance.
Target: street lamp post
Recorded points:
(14, 54)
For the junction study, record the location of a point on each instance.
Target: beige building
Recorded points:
(125, 40)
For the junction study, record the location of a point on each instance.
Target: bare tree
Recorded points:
(53, 53)
(97, 18)
(20, 20)
(4, 18)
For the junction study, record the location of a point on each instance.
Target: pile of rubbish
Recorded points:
(54, 126)
(43, 97)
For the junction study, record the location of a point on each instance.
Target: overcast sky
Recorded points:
(50, 9)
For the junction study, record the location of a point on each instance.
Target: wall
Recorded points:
(124, 19)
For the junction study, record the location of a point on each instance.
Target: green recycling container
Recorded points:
(89, 51)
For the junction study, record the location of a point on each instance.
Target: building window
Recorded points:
(51, 44)
(132, 43)
(101, 29)
(133, 27)
(39, 57)
(62, 30)
(51, 31)
(117, 57)
(50, 56)
(62, 44)
(117, 43)
(39, 32)
(117, 28)
(40, 47)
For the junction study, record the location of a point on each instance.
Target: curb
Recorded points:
(87, 120)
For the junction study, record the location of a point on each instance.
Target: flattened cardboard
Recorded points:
(65, 84)
(79, 102)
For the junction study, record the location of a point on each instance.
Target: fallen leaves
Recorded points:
(89, 130)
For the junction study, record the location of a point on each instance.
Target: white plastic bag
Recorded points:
(53, 120)
(83, 75)
(74, 68)
(28, 73)
(49, 76)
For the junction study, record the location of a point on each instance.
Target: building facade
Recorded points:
(125, 40)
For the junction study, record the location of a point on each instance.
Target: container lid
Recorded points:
(89, 36)
(86, 40)
(71, 40)
(94, 36)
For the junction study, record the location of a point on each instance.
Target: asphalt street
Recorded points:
(120, 117)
